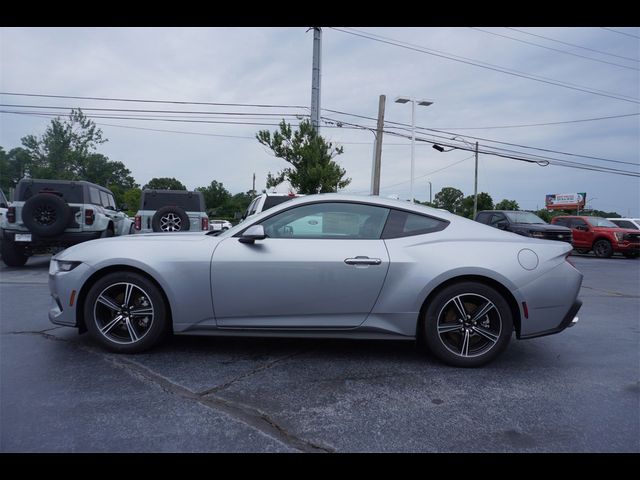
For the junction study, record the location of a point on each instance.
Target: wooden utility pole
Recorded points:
(315, 78)
(377, 156)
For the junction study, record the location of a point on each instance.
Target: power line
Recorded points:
(177, 102)
(138, 110)
(522, 125)
(573, 45)
(553, 49)
(495, 68)
(405, 126)
(621, 33)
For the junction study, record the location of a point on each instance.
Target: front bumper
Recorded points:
(626, 247)
(62, 285)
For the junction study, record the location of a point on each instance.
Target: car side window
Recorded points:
(496, 218)
(625, 224)
(562, 222)
(104, 198)
(483, 217)
(578, 222)
(404, 224)
(328, 221)
(94, 195)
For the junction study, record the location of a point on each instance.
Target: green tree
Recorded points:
(236, 205)
(64, 147)
(215, 195)
(13, 166)
(131, 198)
(485, 202)
(507, 205)
(310, 156)
(449, 198)
(164, 183)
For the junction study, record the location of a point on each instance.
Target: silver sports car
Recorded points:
(323, 266)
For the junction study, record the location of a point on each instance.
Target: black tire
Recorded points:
(170, 219)
(582, 251)
(107, 233)
(603, 249)
(46, 214)
(443, 315)
(631, 254)
(13, 255)
(145, 297)
(132, 229)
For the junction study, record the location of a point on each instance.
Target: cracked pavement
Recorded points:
(577, 391)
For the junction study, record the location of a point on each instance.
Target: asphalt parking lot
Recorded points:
(577, 391)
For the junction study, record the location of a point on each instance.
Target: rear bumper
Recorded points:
(569, 320)
(62, 240)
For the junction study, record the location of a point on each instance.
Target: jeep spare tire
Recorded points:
(170, 219)
(46, 214)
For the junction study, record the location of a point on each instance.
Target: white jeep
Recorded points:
(171, 211)
(49, 215)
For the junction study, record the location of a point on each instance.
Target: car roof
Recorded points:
(37, 181)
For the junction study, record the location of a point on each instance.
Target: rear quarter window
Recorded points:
(405, 224)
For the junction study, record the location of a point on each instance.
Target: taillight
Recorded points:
(138, 223)
(205, 223)
(11, 215)
(89, 216)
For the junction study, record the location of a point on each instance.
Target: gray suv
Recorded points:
(171, 211)
(47, 215)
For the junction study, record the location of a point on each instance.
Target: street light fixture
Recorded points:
(424, 103)
(475, 183)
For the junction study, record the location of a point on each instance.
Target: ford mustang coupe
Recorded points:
(332, 266)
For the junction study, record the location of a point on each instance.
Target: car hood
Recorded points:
(126, 245)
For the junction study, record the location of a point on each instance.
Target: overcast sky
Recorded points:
(273, 66)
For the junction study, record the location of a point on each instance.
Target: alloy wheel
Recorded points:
(170, 223)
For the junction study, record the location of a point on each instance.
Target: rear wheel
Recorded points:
(467, 324)
(125, 312)
(13, 255)
(602, 248)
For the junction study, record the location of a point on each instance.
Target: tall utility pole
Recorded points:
(377, 153)
(315, 79)
(253, 189)
(475, 187)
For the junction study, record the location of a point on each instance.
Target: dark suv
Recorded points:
(47, 215)
(600, 235)
(524, 223)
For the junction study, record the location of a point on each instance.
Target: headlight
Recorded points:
(62, 266)
(619, 236)
(537, 234)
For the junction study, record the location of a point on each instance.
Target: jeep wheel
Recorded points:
(46, 214)
(170, 219)
(602, 248)
(13, 255)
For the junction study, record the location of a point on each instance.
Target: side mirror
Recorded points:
(253, 233)
(502, 225)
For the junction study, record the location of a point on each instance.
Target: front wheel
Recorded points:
(602, 249)
(467, 324)
(125, 312)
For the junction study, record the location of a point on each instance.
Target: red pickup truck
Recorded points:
(600, 235)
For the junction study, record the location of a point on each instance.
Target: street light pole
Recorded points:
(425, 103)
(430, 197)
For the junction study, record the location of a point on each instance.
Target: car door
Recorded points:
(321, 266)
(581, 233)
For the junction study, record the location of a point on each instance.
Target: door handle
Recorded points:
(362, 261)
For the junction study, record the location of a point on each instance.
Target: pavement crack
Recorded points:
(610, 293)
(248, 415)
(250, 373)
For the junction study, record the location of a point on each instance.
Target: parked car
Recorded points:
(265, 201)
(600, 235)
(628, 223)
(524, 223)
(326, 265)
(219, 225)
(47, 215)
(171, 211)
(4, 205)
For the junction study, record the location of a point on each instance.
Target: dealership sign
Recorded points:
(566, 201)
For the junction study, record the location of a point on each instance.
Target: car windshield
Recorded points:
(524, 217)
(601, 222)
